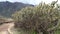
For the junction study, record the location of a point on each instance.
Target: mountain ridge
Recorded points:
(8, 8)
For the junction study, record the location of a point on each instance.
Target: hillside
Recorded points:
(7, 8)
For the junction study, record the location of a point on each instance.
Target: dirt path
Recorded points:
(5, 27)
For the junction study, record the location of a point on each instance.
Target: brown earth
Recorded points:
(5, 27)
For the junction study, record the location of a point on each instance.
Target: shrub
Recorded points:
(42, 18)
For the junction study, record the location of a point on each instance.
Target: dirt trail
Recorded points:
(4, 28)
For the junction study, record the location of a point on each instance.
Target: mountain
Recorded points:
(8, 8)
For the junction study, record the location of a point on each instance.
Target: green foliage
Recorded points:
(39, 18)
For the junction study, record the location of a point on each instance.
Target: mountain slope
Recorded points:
(8, 8)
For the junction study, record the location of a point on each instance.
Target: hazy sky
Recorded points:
(31, 1)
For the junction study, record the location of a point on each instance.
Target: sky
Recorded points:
(31, 1)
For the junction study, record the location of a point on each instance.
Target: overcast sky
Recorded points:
(32, 1)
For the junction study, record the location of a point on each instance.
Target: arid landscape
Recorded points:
(32, 17)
